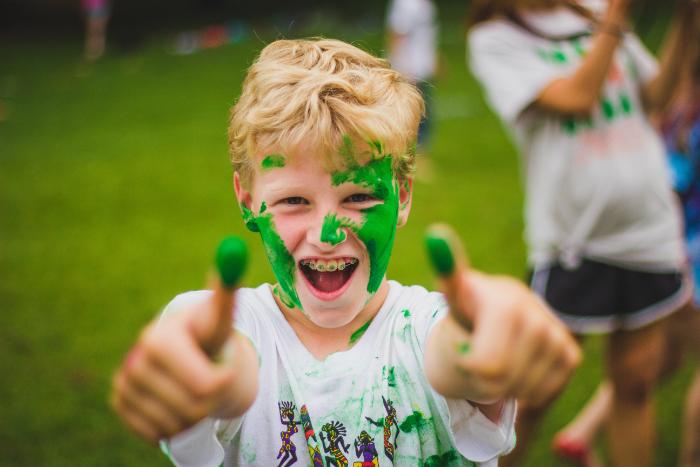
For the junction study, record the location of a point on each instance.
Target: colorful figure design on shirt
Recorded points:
(389, 421)
(364, 447)
(288, 451)
(334, 434)
(314, 451)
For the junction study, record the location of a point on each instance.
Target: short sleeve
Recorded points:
(478, 438)
(509, 68)
(645, 64)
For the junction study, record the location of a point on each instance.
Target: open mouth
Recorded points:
(328, 276)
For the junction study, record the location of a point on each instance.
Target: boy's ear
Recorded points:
(244, 197)
(405, 199)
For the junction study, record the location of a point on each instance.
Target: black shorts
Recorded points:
(596, 297)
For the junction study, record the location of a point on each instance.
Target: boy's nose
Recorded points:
(332, 231)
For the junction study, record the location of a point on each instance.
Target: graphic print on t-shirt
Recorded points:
(288, 451)
(314, 451)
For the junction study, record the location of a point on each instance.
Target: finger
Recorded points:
(447, 256)
(151, 378)
(158, 415)
(213, 327)
(133, 419)
(189, 367)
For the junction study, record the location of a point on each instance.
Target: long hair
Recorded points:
(485, 10)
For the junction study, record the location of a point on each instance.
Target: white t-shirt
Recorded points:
(595, 187)
(415, 53)
(369, 403)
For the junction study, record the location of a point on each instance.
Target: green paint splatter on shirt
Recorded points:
(415, 421)
(359, 333)
(389, 375)
(608, 109)
(441, 460)
(625, 104)
(273, 161)
(406, 313)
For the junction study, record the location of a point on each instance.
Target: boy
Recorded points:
(335, 364)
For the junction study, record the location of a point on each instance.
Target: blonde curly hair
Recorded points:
(319, 92)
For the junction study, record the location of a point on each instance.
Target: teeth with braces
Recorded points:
(329, 265)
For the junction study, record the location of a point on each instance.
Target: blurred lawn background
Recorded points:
(115, 189)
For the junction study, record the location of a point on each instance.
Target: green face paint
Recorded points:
(378, 228)
(273, 161)
(439, 252)
(231, 260)
(282, 262)
(331, 231)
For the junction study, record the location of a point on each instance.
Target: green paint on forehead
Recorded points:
(331, 231)
(273, 161)
(378, 228)
(360, 332)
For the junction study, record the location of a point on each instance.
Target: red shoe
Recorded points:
(574, 451)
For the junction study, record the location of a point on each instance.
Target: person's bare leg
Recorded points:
(633, 363)
(581, 432)
(690, 447)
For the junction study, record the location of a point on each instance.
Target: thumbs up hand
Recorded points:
(498, 340)
(170, 379)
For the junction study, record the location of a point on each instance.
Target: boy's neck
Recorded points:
(320, 341)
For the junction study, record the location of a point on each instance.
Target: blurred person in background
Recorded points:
(680, 125)
(574, 87)
(96, 18)
(413, 51)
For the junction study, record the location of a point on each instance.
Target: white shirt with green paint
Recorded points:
(371, 403)
(596, 187)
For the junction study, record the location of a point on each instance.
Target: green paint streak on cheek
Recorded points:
(360, 332)
(282, 262)
(273, 161)
(378, 229)
(332, 230)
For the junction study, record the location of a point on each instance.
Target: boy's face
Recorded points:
(328, 234)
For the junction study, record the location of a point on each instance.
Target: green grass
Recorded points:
(115, 189)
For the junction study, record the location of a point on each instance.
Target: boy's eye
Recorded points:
(295, 200)
(359, 198)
